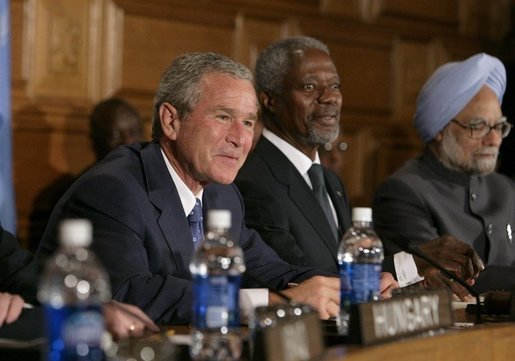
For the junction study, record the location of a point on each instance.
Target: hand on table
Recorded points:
(455, 256)
(124, 320)
(10, 307)
(320, 292)
(387, 285)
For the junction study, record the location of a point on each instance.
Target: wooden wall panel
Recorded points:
(414, 62)
(63, 49)
(150, 45)
(17, 43)
(434, 10)
(365, 75)
(254, 34)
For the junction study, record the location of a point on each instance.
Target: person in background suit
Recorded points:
(299, 90)
(138, 197)
(452, 187)
(19, 274)
(112, 122)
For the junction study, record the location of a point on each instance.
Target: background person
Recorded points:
(112, 122)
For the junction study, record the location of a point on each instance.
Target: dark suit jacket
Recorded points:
(283, 209)
(142, 236)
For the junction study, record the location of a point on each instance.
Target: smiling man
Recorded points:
(452, 187)
(139, 197)
(298, 88)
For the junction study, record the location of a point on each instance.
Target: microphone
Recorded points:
(414, 250)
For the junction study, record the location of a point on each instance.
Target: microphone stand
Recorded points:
(413, 249)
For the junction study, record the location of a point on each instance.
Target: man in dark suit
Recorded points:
(300, 111)
(138, 198)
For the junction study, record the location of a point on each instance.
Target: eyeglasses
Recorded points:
(478, 128)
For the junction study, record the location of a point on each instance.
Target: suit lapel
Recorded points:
(169, 212)
(298, 191)
(337, 195)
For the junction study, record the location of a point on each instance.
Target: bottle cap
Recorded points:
(219, 218)
(362, 214)
(75, 232)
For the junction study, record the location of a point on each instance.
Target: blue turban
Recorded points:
(450, 89)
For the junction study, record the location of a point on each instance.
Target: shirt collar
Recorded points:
(299, 160)
(187, 197)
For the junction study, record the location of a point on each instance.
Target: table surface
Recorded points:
(490, 341)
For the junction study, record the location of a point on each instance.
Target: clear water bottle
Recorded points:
(360, 256)
(216, 269)
(72, 289)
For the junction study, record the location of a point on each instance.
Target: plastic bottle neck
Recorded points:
(218, 235)
(361, 223)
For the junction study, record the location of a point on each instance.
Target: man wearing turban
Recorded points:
(452, 187)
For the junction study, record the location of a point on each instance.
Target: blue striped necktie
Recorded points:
(196, 227)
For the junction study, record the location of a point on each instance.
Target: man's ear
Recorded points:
(170, 122)
(266, 101)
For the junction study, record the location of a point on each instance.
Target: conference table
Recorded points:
(486, 342)
(489, 341)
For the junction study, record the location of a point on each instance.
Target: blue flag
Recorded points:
(7, 206)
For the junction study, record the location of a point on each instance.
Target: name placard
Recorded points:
(400, 316)
(296, 337)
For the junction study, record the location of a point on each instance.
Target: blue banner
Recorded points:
(7, 203)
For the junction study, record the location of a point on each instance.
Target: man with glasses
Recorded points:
(452, 187)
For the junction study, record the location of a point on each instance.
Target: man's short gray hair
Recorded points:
(275, 61)
(180, 82)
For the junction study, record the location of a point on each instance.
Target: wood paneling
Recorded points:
(67, 55)
(64, 48)
(150, 44)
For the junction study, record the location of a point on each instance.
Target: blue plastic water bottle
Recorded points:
(72, 289)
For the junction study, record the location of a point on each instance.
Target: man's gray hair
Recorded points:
(275, 61)
(180, 82)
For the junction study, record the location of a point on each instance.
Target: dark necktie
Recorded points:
(316, 174)
(195, 219)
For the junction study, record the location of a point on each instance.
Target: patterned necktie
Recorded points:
(195, 219)
(316, 174)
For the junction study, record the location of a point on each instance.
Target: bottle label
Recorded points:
(345, 285)
(359, 283)
(75, 333)
(216, 301)
(365, 281)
